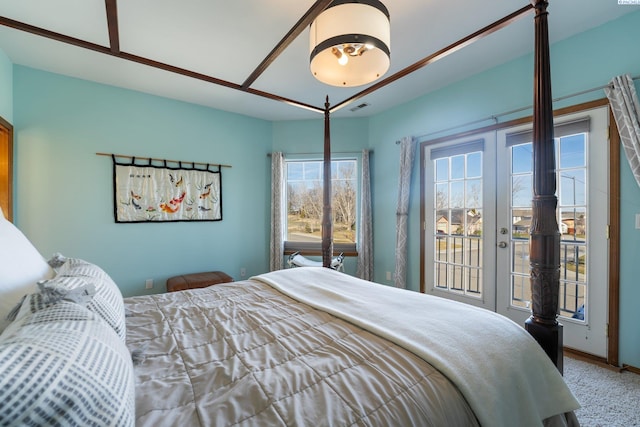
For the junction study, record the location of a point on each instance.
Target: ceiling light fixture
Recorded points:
(349, 43)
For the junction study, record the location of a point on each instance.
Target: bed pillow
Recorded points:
(107, 302)
(63, 362)
(21, 266)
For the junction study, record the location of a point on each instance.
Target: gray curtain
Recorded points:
(365, 226)
(276, 249)
(626, 111)
(407, 154)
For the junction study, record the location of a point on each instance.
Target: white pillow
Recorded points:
(21, 266)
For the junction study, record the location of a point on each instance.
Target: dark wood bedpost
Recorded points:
(327, 227)
(544, 249)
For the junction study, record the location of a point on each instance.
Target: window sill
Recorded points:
(315, 249)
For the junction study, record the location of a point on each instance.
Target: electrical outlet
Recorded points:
(243, 272)
(148, 284)
(388, 275)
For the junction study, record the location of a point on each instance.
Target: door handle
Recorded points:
(502, 245)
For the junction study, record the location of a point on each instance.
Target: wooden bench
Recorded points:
(197, 280)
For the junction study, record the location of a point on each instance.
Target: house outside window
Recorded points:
(304, 205)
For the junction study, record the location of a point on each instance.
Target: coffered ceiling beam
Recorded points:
(111, 7)
(146, 61)
(303, 23)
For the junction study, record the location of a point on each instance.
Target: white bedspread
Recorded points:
(500, 369)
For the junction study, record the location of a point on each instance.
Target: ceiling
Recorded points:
(209, 52)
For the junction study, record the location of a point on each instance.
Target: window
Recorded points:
(304, 204)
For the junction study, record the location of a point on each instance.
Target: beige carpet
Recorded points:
(608, 398)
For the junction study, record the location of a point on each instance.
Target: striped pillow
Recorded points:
(63, 365)
(107, 302)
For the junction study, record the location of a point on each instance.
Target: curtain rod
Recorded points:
(162, 160)
(517, 110)
(319, 154)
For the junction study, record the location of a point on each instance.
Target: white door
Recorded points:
(581, 142)
(477, 210)
(459, 209)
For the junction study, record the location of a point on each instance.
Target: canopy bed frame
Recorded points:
(545, 238)
(296, 346)
(544, 249)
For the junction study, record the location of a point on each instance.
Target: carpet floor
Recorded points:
(609, 398)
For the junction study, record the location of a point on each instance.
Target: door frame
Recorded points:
(6, 168)
(613, 213)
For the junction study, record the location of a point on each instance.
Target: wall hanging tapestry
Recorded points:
(153, 192)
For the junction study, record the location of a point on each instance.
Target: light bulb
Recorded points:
(343, 59)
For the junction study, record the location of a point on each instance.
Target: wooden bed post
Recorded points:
(327, 228)
(544, 249)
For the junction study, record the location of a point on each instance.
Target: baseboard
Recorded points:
(631, 369)
(577, 354)
(586, 357)
(600, 361)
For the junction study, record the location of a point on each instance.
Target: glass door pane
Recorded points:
(460, 190)
(520, 208)
(571, 176)
(458, 223)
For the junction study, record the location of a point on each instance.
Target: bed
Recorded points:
(301, 346)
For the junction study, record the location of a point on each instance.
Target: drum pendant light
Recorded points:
(349, 43)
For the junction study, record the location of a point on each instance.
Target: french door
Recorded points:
(459, 194)
(581, 148)
(477, 211)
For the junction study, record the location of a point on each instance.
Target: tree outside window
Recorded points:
(305, 201)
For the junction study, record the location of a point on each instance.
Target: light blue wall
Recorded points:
(307, 137)
(582, 62)
(6, 87)
(64, 190)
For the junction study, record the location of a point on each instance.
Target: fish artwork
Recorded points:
(174, 204)
(178, 200)
(169, 209)
(205, 194)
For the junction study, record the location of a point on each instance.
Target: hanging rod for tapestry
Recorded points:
(162, 160)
